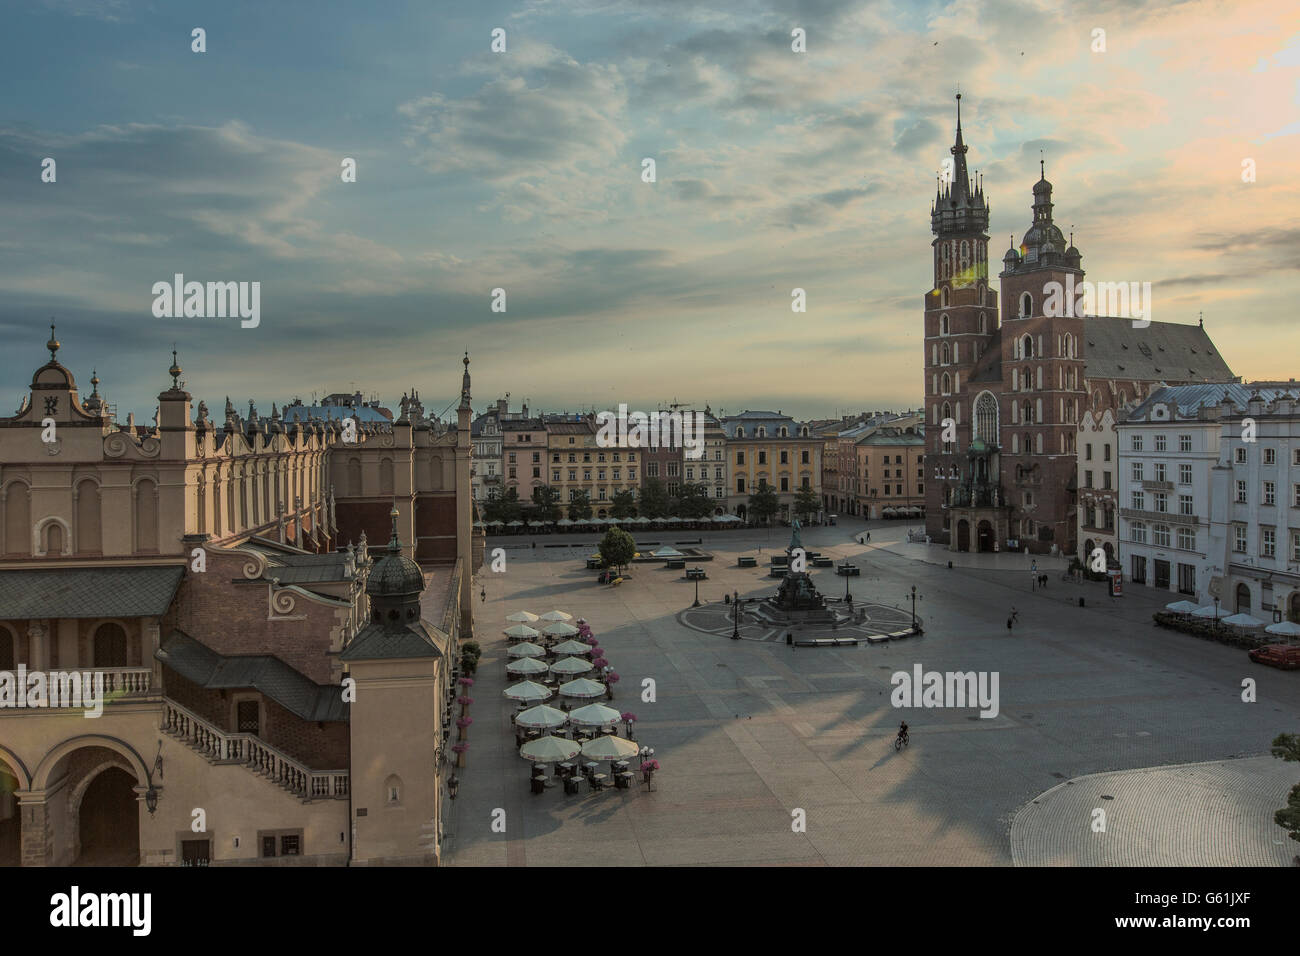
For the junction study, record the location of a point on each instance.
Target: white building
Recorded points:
(1255, 517)
(1168, 447)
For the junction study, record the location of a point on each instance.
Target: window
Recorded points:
(785, 483)
(1137, 442)
(740, 485)
(1270, 493)
(1160, 535)
(1184, 442)
(1184, 474)
(1268, 542)
(1160, 471)
(1137, 532)
(1087, 482)
(1239, 538)
(1105, 452)
(1241, 492)
(288, 842)
(1295, 496)
(762, 458)
(1186, 539)
(1270, 456)
(785, 458)
(555, 476)
(652, 467)
(1137, 471)
(740, 458)
(1139, 501)
(1241, 456)
(1295, 545)
(1186, 578)
(1087, 452)
(1185, 505)
(1162, 501)
(804, 458)
(1105, 480)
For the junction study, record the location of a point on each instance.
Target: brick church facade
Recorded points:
(1007, 383)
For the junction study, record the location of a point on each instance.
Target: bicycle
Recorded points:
(900, 741)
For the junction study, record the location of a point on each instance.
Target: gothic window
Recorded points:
(983, 320)
(947, 412)
(1026, 305)
(947, 356)
(965, 254)
(943, 320)
(1027, 345)
(943, 297)
(1027, 443)
(1026, 412)
(947, 384)
(985, 417)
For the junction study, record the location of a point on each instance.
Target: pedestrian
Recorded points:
(1015, 615)
(1008, 624)
(483, 594)
(868, 536)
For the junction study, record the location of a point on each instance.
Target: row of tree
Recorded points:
(691, 501)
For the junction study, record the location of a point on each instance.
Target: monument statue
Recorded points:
(794, 537)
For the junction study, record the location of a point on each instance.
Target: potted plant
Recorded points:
(628, 719)
(648, 768)
(462, 724)
(611, 680)
(459, 750)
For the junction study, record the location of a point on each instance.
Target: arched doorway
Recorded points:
(963, 535)
(108, 821)
(10, 820)
(1243, 599)
(985, 536)
(740, 511)
(1109, 548)
(1294, 614)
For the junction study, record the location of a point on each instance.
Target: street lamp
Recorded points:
(847, 595)
(697, 593)
(735, 615)
(913, 607)
(1216, 609)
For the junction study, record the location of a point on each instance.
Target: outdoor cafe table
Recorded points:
(598, 779)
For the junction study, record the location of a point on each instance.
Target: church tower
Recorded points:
(1043, 379)
(961, 317)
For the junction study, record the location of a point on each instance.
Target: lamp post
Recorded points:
(735, 615)
(914, 607)
(1216, 609)
(697, 592)
(847, 595)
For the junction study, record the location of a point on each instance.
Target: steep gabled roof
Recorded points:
(1161, 352)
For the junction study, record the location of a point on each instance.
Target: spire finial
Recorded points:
(958, 106)
(175, 370)
(394, 543)
(1202, 315)
(53, 343)
(1042, 174)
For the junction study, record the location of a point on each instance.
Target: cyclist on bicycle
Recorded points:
(902, 729)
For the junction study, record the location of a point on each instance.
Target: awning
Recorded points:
(88, 592)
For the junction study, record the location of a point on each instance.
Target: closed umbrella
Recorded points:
(570, 666)
(549, 749)
(595, 715)
(583, 687)
(527, 690)
(527, 666)
(522, 617)
(610, 747)
(526, 649)
(571, 647)
(557, 616)
(542, 716)
(521, 632)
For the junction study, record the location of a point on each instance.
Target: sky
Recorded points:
(522, 170)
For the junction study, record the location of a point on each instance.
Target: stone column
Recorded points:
(37, 649)
(37, 832)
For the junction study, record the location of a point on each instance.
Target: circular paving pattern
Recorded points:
(878, 622)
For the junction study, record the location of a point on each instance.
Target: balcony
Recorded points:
(1158, 485)
(1160, 516)
(120, 684)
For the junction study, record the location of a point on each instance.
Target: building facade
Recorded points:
(771, 449)
(891, 461)
(202, 575)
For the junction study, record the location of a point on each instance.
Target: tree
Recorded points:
(806, 503)
(511, 508)
(623, 504)
(546, 503)
(694, 501)
(617, 549)
(762, 503)
(580, 506)
(1287, 747)
(492, 506)
(655, 501)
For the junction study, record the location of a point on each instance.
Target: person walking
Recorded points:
(1015, 615)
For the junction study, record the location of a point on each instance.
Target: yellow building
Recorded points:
(577, 464)
(891, 472)
(768, 448)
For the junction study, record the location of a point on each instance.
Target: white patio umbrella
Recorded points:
(1182, 607)
(526, 649)
(564, 523)
(610, 747)
(595, 715)
(542, 716)
(549, 749)
(1243, 620)
(570, 666)
(1208, 611)
(521, 632)
(571, 647)
(559, 629)
(525, 667)
(527, 690)
(583, 687)
(557, 616)
(523, 617)
(1284, 629)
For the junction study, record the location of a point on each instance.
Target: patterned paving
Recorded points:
(878, 621)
